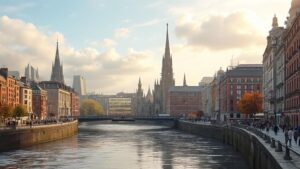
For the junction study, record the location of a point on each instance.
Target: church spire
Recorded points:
(275, 22)
(184, 81)
(167, 48)
(140, 83)
(57, 69)
(57, 61)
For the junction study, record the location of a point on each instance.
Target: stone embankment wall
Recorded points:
(22, 137)
(256, 154)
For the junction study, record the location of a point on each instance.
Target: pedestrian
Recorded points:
(286, 136)
(295, 135)
(290, 134)
(275, 129)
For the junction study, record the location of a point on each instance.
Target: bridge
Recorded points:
(131, 118)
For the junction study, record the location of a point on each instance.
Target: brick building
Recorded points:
(39, 101)
(3, 91)
(234, 83)
(75, 103)
(184, 100)
(12, 88)
(292, 66)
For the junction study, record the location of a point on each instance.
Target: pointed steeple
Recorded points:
(57, 68)
(184, 81)
(167, 48)
(57, 61)
(140, 83)
(275, 22)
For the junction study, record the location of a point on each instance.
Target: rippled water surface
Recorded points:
(126, 146)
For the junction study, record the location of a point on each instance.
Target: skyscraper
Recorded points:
(57, 69)
(31, 73)
(167, 79)
(79, 85)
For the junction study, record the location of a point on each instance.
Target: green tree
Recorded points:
(20, 111)
(6, 111)
(91, 107)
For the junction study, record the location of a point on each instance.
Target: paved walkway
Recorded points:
(280, 137)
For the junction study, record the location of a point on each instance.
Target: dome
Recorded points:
(295, 7)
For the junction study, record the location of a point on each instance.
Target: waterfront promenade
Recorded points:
(272, 145)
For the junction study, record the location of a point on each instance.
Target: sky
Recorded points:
(114, 42)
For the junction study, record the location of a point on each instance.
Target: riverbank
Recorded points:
(28, 136)
(258, 154)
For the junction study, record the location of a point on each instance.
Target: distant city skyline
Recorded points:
(113, 49)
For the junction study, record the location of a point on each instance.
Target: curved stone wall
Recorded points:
(247, 144)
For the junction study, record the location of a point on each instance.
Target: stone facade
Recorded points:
(59, 99)
(26, 95)
(273, 60)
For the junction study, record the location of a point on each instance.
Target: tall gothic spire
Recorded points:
(167, 48)
(140, 83)
(167, 79)
(57, 69)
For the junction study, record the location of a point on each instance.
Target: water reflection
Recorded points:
(125, 146)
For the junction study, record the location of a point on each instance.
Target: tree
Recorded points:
(91, 107)
(250, 103)
(20, 111)
(6, 111)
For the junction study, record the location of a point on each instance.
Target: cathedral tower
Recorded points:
(167, 79)
(57, 69)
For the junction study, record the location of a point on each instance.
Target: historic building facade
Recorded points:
(234, 83)
(143, 103)
(59, 99)
(292, 66)
(184, 100)
(26, 95)
(273, 72)
(39, 101)
(12, 88)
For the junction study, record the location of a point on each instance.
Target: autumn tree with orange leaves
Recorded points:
(250, 103)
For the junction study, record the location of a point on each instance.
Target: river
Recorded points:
(126, 146)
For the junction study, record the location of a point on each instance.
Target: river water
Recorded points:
(126, 146)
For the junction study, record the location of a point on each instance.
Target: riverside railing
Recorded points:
(274, 143)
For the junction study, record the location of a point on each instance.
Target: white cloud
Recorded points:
(122, 33)
(221, 32)
(23, 43)
(109, 43)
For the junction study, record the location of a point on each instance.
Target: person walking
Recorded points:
(290, 134)
(295, 135)
(286, 136)
(275, 129)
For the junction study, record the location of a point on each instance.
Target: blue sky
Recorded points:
(113, 41)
